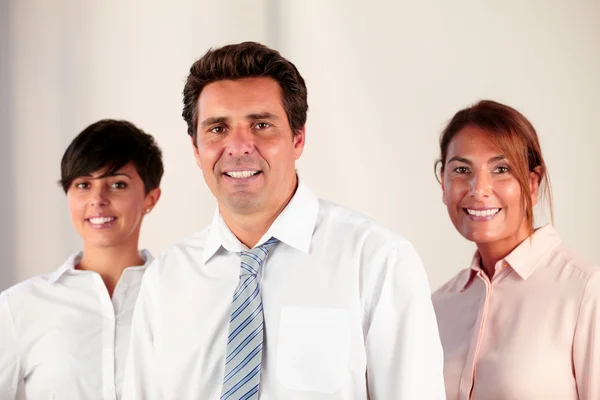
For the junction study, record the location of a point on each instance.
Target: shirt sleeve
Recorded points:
(586, 346)
(10, 363)
(404, 352)
(139, 381)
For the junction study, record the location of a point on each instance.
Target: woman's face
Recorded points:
(484, 199)
(107, 211)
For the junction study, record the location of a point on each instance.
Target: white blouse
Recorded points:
(63, 337)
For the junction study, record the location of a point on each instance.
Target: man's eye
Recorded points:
(263, 125)
(217, 129)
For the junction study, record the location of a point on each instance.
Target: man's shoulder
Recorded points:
(349, 224)
(189, 248)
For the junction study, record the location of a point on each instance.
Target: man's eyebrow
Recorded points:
(214, 120)
(265, 115)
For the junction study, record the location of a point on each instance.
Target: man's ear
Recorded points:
(299, 138)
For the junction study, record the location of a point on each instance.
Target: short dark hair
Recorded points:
(246, 60)
(110, 144)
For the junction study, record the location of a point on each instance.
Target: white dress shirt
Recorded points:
(63, 337)
(347, 313)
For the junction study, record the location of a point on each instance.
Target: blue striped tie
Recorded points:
(245, 340)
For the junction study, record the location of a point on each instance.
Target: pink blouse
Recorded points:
(531, 333)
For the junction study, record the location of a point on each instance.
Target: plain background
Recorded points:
(383, 79)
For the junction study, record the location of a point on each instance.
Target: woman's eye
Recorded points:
(502, 169)
(461, 170)
(119, 185)
(82, 185)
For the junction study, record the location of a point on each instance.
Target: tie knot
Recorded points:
(252, 260)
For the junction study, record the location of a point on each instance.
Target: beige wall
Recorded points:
(382, 79)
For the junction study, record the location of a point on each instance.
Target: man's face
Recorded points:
(245, 146)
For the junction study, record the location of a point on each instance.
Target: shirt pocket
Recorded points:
(314, 348)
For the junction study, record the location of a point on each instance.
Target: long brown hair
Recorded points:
(516, 138)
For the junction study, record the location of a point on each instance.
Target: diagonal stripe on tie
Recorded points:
(255, 318)
(245, 304)
(241, 380)
(243, 344)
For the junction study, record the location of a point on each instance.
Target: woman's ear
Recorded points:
(535, 178)
(151, 199)
(441, 179)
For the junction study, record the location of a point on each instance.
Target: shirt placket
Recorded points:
(119, 300)
(108, 342)
(469, 375)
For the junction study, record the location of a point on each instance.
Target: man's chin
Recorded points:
(242, 203)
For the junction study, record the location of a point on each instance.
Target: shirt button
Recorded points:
(504, 264)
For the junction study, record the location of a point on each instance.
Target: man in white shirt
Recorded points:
(284, 296)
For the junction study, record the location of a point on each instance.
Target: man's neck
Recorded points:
(250, 228)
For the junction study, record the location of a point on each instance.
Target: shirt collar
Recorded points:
(473, 270)
(525, 258)
(294, 226)
(74, 259)
(69, 265)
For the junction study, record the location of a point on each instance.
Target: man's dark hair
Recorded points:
(246, 60)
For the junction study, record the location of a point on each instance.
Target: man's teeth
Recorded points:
(241, 174)
(101, 220)
(483, 213)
